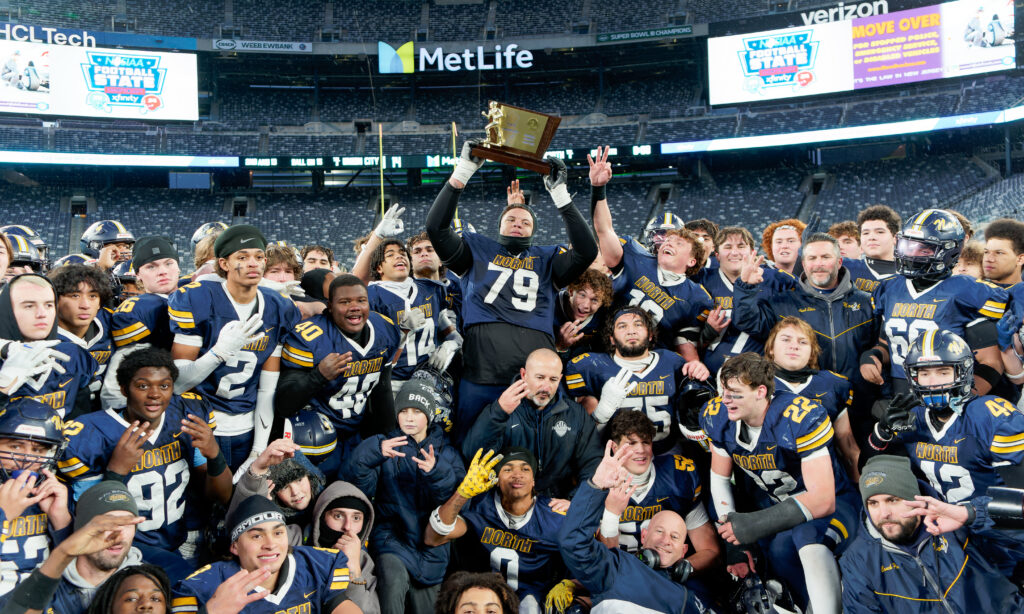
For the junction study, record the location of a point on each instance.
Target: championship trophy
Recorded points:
(517, 136)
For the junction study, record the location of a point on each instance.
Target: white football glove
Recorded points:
(25, 361)
(613, 393)
(412, 320)
(284, 288)
(442, 356)
(391, 224)
(236, 335)
(556, 183)
(468, 163)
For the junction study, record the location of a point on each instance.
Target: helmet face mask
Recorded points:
(941, 349)
(29, 420)
(929, 245)
(25, 253)
(654, 233)
(33, 237)
(104, 233)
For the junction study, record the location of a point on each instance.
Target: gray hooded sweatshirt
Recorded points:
(362, 590)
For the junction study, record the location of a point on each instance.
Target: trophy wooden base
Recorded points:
(503, 155)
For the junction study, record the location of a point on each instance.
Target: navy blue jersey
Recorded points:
(732, 341)
(343, 398)
(592, 325)
(679, 307)
(828, 389)
(868, 274)
(311, 581)
(159, 481)
(502, 287)
(199, 311)
(959, 459)
(952, 304)
(143, 319)
(453, 287)
(429, 297)
(794, 428)
(675, 486)
(24, 545)
(98, 342)
(654, 394)
(525, 555)
(60, 390)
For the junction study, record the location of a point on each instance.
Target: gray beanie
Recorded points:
(888, 475)
(103, 497)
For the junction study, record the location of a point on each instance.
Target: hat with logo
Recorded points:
(151, 249)
(251, 512)
(417, 394)
(238, 238)
(103, 497)
(888, 475)
(517, 453)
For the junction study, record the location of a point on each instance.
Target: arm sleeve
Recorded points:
(450, 247)
(588, 560)
(295, 388)
(569, 265)
(488, 432)
(750, 313)
(381, 406)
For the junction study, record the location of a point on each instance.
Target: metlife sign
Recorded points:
(405, 59)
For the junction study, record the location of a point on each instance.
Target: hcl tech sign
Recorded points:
(467, 59)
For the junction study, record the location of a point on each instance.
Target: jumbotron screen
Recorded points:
(954, 39)
(95, 82)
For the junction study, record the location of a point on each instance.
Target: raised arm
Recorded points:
(607, 239)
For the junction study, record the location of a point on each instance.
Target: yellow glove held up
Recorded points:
(480, 477)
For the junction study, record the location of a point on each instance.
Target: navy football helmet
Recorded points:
(74, 259)
(929, 245)
(124, 272)
(24, 253)
(27, 419)
(314, 433)
(33, 238)
(941, 348)
(103, 233)
(205, 230)
(655, 231)
(693, 396)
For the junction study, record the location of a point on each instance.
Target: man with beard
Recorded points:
(580, 311)
(897, 563)
(635, 377)
(87, 572)
(534, 414)
(517, 529)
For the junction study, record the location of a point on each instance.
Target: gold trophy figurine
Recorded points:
(495, 135)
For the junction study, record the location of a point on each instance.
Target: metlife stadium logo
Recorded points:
(403, 59)
(780, 59)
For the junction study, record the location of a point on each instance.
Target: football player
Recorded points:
(24, 257)
(33, 503)
(720, 337)
(878, 226)
(316, 257)
(656, 229)
(81, 318)
(668, 482)
(806, 503)
(634, 377)
(227, 342)
(153, 445)
(28, 313)
(265, 574)
(781, 242)
(33, 237)
(109, 242)
(425, 262)
(509, 285)
(961, 442)
(659, 284)
(580, 311)
(517, 529)
(385, 265)
(923, 296)
(142, 321)
(336, 360)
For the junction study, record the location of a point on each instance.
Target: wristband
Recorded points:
(598, 192)
(113, 475)
(216, 465)
(865, 357)
(438, 525)
(609, 524)
(36, 591)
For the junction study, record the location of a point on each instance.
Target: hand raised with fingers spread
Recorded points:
(611, 472)
(426, 464)
(613, 393)
(600, 168)
(515, 194)
(236, 335)
(238, 591)
(751, 272)
(513, 395)
(129, 448)
(391, 224)
(389, 447)
(480, 476)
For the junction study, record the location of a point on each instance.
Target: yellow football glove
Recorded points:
(559, 597)
(480, 477)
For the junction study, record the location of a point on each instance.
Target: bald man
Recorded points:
(562, 437)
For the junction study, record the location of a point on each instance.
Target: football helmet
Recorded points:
(73, 259)
(204, 230)
(458, 226)
(24, 253)
(929, 245)
(314, 433)
(33, 238)
(442, 384)
(103, 233)
(693, 396)
(655, 231)
(124, 272)
(28, 419)
(941, 348)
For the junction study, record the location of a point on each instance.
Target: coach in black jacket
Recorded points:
(535, 414)
(825, 298)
